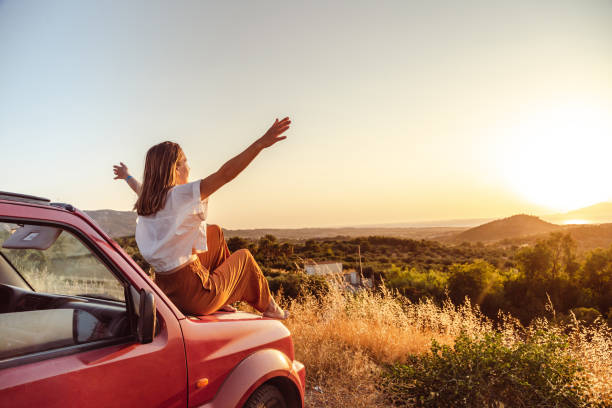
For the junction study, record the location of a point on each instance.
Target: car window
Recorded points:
(71, 298)
(65, 267)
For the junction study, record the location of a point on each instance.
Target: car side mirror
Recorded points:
(147, 318)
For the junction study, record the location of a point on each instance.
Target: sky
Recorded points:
(402, 111)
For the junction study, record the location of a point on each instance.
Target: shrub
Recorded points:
(587, 315)
(481, 282)
(486, 372)
(416, 284)
(236, 243)
(297, 284)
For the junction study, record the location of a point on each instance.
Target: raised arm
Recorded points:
(121, 172)
(233, 167)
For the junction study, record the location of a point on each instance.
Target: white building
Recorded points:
(323, 268)
(351, 277)
(332, 268)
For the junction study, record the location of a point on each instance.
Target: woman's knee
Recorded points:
(214, 230)
(247, 256)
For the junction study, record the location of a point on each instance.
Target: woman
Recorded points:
(192, 263)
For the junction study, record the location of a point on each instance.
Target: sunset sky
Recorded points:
(402, 111)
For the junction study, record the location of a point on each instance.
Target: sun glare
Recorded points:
(560, 159)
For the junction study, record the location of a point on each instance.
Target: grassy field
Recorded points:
(348, 343)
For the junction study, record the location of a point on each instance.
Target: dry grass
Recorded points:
(593, 348)
(345, 339)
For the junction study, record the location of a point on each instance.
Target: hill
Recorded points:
(123, 224)
(431, 233)
(517, 226)
(587, 237)
(115, 223)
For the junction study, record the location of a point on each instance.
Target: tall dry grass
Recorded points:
(592, 346)
(346, 339)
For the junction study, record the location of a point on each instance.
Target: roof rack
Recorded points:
(5, 195)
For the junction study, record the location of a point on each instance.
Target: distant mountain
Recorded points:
(598, 213)
(431, 233)
(587, 237)
(518, 229)
(597, 210)
(123, 223)
(521, 225)
(451, 223)
(115, 223)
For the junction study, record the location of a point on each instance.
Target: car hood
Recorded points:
(226, 316)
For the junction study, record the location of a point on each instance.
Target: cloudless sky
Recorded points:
(402, 110)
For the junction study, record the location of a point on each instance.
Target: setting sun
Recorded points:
(560, 158)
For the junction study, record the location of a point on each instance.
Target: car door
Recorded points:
(68, 323)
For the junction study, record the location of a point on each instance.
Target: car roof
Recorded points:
(30, 199)
(25, 198)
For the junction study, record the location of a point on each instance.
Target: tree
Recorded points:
(480, 282)
(562, 248)
(236, 243)
(287, 249)
(535, 262)
(597, 277)
(549, 269)
(549, 259)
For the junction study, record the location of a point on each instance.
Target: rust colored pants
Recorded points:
(216, 278)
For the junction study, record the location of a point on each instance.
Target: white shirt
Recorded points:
(168, 238)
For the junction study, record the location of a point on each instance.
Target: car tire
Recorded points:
(266, 396)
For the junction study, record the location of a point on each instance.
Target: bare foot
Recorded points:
(274, 311)
(228, 308)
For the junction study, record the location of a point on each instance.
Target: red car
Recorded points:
(82, 325)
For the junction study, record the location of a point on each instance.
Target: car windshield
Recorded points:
(53, 260)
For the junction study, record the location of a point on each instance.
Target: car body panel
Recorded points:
(215, 344)
(254, 371)
(130, 374)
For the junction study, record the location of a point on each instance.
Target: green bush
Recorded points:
(416, 284)
(538, 372)
(297, 284)
(481, 282)
(236, 243)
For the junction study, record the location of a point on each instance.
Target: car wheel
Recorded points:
(266, 396)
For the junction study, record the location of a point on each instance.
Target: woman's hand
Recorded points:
(273, 134)
(233, 167)
(121, 171)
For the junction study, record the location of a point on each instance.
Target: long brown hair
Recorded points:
(159, 177)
